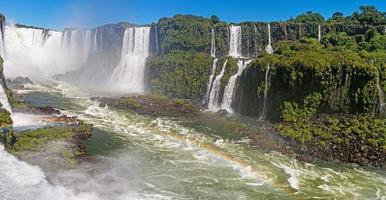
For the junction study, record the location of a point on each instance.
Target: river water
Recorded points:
(141, 157)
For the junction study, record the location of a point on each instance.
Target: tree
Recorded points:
(337, 17)
(214, 19)
(369, 15)
(308, 17)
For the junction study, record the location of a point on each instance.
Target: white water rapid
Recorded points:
(128, 76)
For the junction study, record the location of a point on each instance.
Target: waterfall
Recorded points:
(64, 43)
(156, 40)
(33, 52)
(210, 82)
(128, 76)
(74, 43)
(267, 79)
(4, 99)
(86, 46)
(380, 98)
(231, 86)
(215, 92)
(213, 44)
(319, 33)
(268, 48)
(214, 65)
(235, 41)
(2, 53)
(95, 41)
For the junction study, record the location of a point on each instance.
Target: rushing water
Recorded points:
(139, 157)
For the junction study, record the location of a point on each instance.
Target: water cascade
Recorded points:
(235, 41)
(263, 113)
(215, 92)
(128, 76)
(32, 52)
(231, 86)
(235, 52)
(4, 99)
(214, 65)
(210, 83)
(213, 44)
(268, 48)
(2, 53)
(319, 33)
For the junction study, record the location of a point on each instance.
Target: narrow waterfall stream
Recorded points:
(2, 52)
(214, 96)
(214, 66)
(319, 33)
(230, 88)
(269, 48)
(210, 82)
(381, 98)
(213, 44)
(266, 87)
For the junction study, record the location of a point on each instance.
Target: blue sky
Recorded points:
(90, 13)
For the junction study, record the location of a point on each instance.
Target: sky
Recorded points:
(58, 14)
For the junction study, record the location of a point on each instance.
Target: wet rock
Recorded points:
(19, 82)
(48, 110)
(222, 112)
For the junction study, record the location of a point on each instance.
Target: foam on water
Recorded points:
(24, 181)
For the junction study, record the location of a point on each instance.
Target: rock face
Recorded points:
(19, 82)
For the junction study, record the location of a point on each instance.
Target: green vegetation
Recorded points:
(35, 140)
(180, 74)
(230, 69)
(185, 33)
(308, 17)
